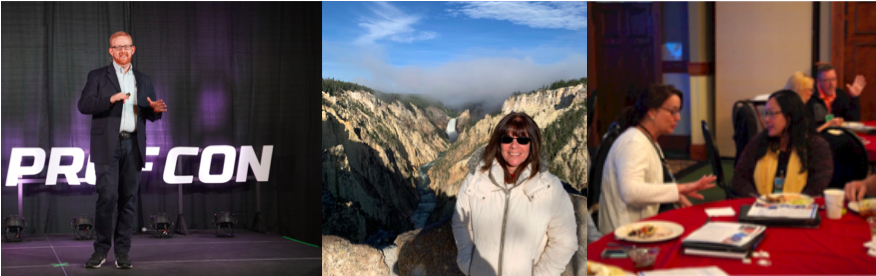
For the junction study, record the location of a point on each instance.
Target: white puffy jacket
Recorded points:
(529, 229)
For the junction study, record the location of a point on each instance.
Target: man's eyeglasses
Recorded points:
(672, 112)
(520, 140)
(825, 79)
(122, 47)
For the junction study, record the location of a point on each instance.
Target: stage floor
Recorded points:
(199, 253)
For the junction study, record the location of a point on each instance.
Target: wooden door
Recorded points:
(628, 59)
(854, 49)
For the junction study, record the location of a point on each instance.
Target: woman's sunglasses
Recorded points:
(520, 140)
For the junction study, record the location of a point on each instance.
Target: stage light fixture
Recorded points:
(12, 228)
(83, 227)
(224, 222)
(162, 226)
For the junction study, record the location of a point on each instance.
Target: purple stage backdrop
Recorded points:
(232, 74)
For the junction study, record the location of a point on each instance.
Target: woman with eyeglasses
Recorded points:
(787, 157)
(636, 178)
(512, 216)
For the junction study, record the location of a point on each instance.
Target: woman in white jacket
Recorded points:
(635, 170)
(512, 216)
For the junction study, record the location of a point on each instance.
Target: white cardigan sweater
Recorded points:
(632, 182)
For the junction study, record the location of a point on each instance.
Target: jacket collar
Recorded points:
(495, 176)
(529, 186)
(114, 79)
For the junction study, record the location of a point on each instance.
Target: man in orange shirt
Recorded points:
(835, 100)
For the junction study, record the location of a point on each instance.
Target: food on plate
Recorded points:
(649, 231)
(646, 231)
(775, 198)
(790, 199)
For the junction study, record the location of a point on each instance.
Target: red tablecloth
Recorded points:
(835, 247)
(869, 142)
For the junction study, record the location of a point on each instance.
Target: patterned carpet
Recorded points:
(677, 165)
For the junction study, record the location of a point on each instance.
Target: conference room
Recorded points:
(770, 166)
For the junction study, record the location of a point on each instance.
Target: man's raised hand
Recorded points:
(157, 106)
(856, 87)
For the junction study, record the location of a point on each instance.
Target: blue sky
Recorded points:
(457, 52)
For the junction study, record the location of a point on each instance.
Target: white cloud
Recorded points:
(546, 15)
(483, 74)
(452, 12)
(426, 35)
(486, 79)
(391, 23)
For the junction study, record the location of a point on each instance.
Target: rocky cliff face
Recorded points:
(463, 120)
(473, 113)
(371, 152)
(437, 117)
(560, 113)
(340, 257)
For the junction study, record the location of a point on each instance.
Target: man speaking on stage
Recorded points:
(119, 99)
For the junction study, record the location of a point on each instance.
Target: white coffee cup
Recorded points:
(833, 199)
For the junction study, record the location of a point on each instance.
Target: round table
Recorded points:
(869, 142)
(834, 247)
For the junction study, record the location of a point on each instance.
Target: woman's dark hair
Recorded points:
(521, 125)
(797, 128)
(652, 98)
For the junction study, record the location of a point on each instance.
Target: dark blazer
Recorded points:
(844, 106)
(106, 118)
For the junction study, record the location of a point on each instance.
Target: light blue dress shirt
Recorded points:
(129, 110)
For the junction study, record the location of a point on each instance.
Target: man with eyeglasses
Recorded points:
(834, 99)
(119, 100)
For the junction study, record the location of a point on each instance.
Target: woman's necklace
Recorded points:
(647, 132)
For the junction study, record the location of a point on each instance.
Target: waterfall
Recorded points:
(451, 130)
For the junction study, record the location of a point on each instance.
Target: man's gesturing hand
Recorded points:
(857, 87)
(157, 106)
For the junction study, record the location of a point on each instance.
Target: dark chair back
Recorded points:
(594, 177)
(849, 156)
(715, 161)
(746, 125)
(591, 107)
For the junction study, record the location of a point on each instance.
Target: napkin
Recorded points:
(871, 245)
(721, 212)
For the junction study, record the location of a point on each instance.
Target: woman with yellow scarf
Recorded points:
(787, 157)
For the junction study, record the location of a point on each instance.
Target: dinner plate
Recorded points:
(664, 230)
(804, 199)
(854, 206)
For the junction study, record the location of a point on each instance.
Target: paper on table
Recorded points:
(725, 233)
(721, 212)
(695, 271)
(783, 211)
